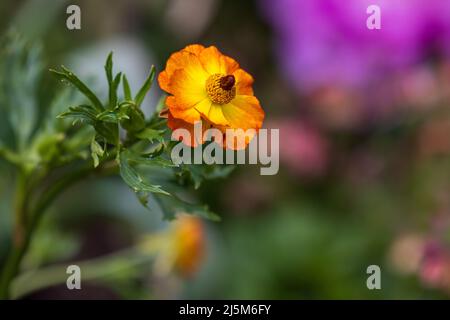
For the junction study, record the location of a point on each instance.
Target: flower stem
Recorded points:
(102, 268)
(19, 235)
(20, 247)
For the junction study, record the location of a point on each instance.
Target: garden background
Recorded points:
(364, 150)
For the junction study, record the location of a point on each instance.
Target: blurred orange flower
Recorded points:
(205, 85)
(189, 243)
(180, 248)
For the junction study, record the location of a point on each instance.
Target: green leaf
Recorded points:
(173, 205)
(145, 88)
(199, 173)
(46, 146)
(133, 179)
(20, 72)
(136, 118)
(75, 145)
(96, 152)
(112, 116)
(109, 131)
(10, 155)
(68, 75)
(63, 98)
(104, 123)
(81, 112)
(161, 103)
(108, 68)
(151, 135)
(126, 89)
(113, 84)
(143, 198)
(150, 161)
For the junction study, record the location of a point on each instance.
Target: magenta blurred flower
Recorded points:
(327, 42)
(435, 266)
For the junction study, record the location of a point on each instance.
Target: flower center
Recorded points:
(220, 88)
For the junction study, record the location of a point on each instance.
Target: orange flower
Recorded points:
(205, 85)
(180, 248)
(189, 244)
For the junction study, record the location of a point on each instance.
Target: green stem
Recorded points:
(18, 250)
(20, 209)
(102, 268)
(19, 233)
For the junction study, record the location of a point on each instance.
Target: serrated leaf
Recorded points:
(133, 179)
(145, 88)
(109, 131)
(112, 116)
(150, 161)
(173, 205)
(96, 152)
(151, 134)
(199, 173)
(68, 75)
(81, 112)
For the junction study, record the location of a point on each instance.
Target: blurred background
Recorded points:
(364, 125)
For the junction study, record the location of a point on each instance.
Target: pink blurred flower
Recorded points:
(303, 149)
(435, 268)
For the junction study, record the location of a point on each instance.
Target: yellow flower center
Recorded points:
(221, 88)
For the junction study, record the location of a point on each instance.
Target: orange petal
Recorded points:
(188, 89)
(175, 123)
(194, 48)
(178, 110)
(215, 62)
(230, 64)
(175, 61)
(204, 106)
(191, 64)
(244, 82)
(185, 60)
(237, 139)
(244, 112)
(210, 59)
(163, 80)
(216, 116)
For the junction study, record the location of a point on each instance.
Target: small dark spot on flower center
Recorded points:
(220, 88)
(227, 82)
